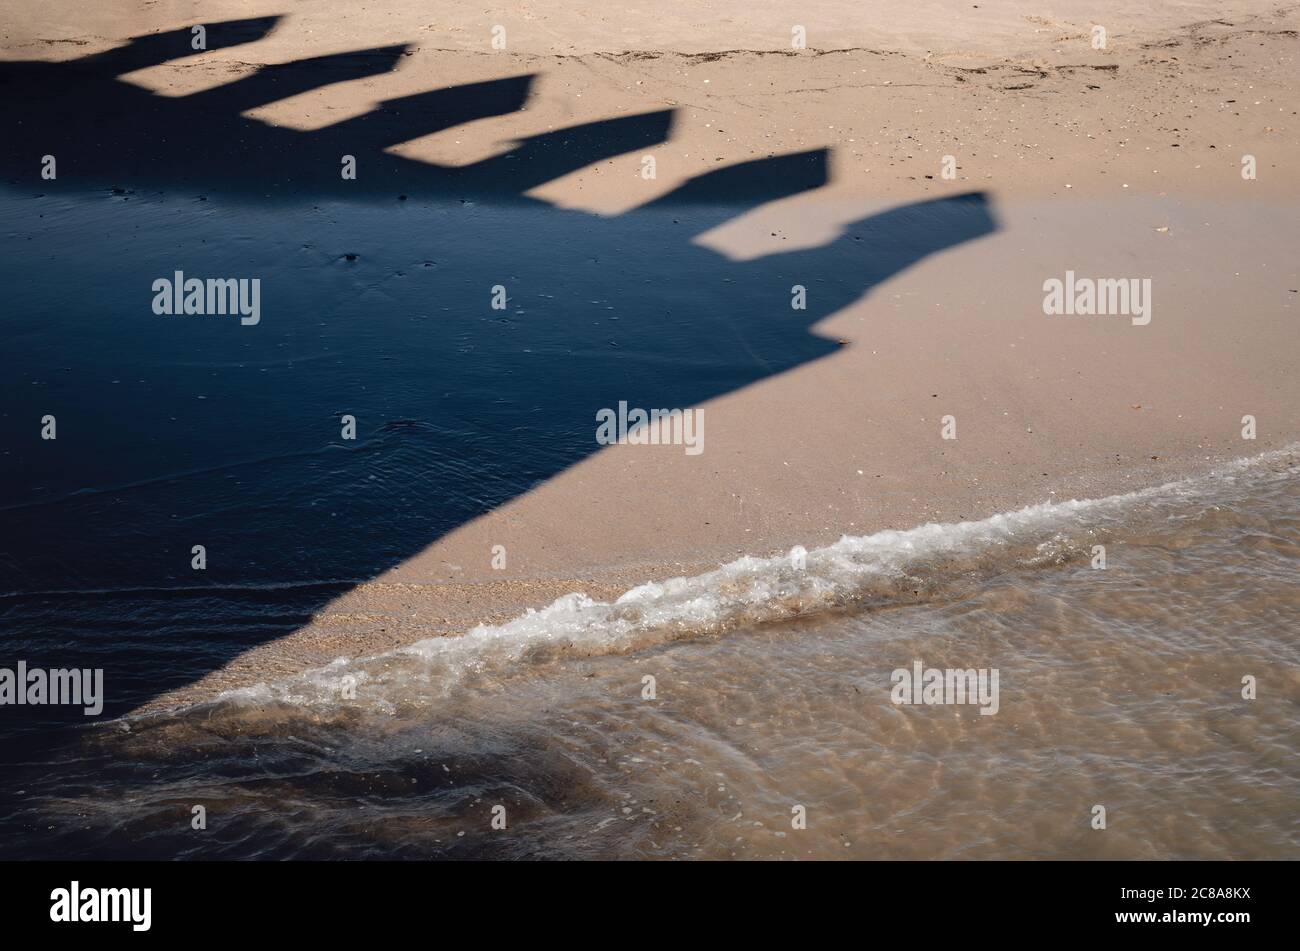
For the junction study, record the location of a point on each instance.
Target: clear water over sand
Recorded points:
(1118, 687)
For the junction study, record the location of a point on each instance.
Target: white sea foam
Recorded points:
(881, 568)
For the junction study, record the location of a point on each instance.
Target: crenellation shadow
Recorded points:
(95, 530)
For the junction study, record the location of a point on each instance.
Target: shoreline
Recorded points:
(382, 616)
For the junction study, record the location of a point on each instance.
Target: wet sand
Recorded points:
(1046, 409)
(1122, 162)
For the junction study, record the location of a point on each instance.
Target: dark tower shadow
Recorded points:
(194, 430)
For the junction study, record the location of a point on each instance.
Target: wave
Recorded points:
(882, 569)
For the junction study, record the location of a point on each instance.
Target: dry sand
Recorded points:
(1121, 162)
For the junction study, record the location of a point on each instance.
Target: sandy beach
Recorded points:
(1120, 161)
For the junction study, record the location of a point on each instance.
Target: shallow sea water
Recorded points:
(1119, 687)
